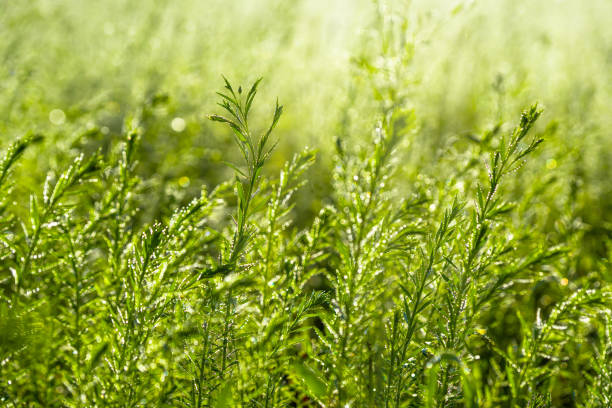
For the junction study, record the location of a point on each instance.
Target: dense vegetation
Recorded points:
(448, 243)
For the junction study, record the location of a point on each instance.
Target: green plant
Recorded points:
(408, 263)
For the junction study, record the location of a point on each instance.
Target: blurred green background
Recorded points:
(75, 70)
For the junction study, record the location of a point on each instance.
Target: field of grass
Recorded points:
(351, 203)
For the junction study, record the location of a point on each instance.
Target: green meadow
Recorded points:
(344, 203)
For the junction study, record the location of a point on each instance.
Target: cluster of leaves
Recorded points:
(384, 300)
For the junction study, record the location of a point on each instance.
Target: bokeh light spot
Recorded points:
(178, 124)
(184, 181)
(57, 117)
